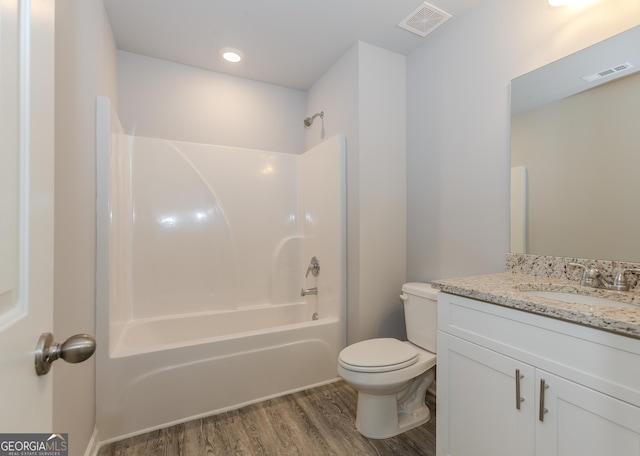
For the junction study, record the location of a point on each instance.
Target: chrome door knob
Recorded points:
(75, 349)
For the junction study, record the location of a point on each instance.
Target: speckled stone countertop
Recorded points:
(506, 289)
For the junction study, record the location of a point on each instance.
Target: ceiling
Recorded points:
(290, 43)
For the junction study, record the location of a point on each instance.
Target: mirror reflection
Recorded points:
(574, 154)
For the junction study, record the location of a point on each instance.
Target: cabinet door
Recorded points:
(476, 402)
(579, 421)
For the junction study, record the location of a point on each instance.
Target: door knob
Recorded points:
(75, 349)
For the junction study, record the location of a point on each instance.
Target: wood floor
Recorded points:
(319, 421)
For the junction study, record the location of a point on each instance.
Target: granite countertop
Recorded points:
(506, 288)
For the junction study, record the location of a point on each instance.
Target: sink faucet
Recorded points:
(620, 283)
(592, 277)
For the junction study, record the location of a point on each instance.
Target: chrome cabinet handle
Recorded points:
(543, 410)
(75, 349)
(519, 399)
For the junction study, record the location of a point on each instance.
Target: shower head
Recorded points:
(309, 120)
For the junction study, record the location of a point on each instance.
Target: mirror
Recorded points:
(575, 154)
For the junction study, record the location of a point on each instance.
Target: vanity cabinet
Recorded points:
(513, 383)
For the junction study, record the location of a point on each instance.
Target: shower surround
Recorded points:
(202, 255)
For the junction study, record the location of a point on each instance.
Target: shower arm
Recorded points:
(309, 120)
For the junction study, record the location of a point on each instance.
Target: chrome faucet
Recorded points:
(620, 282)
(309, 291)
(313, 268)
(592, 277)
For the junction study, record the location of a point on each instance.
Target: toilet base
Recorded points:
(381, 427)
(384, 416)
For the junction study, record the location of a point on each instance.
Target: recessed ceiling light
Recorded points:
(231, 55)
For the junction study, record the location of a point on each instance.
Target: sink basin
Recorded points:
(579, 298)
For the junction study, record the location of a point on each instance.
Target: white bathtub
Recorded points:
(198, 306)
(165, 371)
(162, 333)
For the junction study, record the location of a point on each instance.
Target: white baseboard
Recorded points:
(94, 444)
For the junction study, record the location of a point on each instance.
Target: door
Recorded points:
(26, 210)
(576, 420)
(479, 410)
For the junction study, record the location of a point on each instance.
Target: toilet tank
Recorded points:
(420, 304)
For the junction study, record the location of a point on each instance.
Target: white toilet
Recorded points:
(392, 376)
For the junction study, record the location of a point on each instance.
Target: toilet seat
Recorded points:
(378, 355)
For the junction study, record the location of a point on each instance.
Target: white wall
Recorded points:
(363, 96)
(85, 67)
(458, 123)
(161, 99)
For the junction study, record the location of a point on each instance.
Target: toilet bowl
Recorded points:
(392, 376)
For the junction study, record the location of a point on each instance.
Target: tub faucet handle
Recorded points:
(313, 268)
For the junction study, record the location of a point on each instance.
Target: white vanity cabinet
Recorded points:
(514, 383)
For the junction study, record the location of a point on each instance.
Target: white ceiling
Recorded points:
(285, 42)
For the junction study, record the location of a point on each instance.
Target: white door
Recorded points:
(26, 210)
(479, 410)
(576, 420)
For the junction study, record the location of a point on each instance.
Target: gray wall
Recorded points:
(458, 123)
(363, 96)
(85, 67)
(161, 99)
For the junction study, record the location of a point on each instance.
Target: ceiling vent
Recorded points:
(608, 72)
(424, 20)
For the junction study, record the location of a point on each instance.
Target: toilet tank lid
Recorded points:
(422, 289)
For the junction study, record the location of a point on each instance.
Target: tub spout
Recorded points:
(309, 291)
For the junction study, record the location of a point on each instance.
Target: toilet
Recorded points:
(392, 376)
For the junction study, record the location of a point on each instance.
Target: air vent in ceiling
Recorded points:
(424, 20)
(608, 72)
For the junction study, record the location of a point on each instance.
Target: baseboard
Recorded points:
(94, 444)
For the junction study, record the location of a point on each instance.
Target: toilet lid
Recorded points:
(378, 355)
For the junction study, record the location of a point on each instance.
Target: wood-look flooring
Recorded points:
(318, 421)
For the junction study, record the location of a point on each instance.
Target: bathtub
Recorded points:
(197, 310)
(166, 371)
(164, 333)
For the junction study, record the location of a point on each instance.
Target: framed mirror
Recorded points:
(575, 154)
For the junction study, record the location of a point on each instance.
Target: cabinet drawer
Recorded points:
(600, 360)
